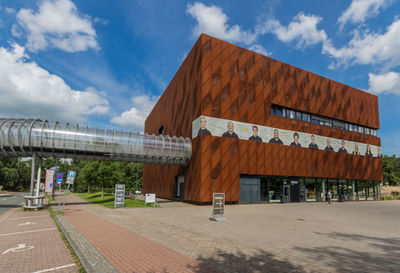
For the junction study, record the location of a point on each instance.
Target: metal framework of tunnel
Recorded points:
(27, 137)
(37, 138)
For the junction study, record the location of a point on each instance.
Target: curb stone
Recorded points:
(91, 259)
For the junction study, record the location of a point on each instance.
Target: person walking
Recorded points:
(329, 196)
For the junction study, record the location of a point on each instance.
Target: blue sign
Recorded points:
(71, 174)
(59, 177)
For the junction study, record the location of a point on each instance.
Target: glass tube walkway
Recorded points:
(26, 137)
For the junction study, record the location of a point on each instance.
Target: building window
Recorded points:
(306, 117)
(278, 111)
(316, 119)
(332, 185)
(311, 189)
(298, 115)
(275, 189)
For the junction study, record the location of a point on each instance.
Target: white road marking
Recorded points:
(29, 231)
(27, 217)
(5, 217)
(26, 223)
(54, 268)
(19, 248)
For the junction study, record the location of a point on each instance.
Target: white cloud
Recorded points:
(213, 21)
(27, 90)
(369, 48)
(260, 49)
(57, 24)
(360, 10)
(9, 10)
(135, 117)
(384, 83)
(302, 29)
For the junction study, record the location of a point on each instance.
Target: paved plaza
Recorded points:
(297, 237)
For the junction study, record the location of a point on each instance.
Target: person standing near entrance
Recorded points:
(329, 196)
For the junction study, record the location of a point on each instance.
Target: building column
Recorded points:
(38, 177)
(353, 193)
(323, 189)
(33, 173)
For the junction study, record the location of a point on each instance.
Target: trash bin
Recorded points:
(283, 198)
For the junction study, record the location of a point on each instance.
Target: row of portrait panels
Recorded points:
(204, 125)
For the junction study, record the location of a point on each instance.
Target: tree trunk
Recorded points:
(88, 188)
(102, 190)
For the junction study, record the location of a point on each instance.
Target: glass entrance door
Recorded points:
(286, 192)
(294, 191)
(332, 185)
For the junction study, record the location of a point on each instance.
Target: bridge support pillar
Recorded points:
(31, 201)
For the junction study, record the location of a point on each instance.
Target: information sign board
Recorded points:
(59, 178)
(119, 201)
(218, 208)
(71, 177)
(49, 180)
(150, 199)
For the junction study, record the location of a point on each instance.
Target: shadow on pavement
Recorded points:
(381, 255)
(262, 261)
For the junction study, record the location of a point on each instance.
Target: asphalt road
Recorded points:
(10, 200)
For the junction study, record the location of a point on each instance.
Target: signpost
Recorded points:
(59, 178)
(70, 181)
(119, 201)
(71, 177)
(49, 181)
(218, 207)
(151, 199)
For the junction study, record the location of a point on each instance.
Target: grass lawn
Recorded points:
(108, 200)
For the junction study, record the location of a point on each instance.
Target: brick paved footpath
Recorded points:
(317, 237)
(126, 250)
(30, 242)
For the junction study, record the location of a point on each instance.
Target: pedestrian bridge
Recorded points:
(33, 137)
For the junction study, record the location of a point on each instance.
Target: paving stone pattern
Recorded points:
(91, 259)
(44, 248)
(128, 251)
(302, 237)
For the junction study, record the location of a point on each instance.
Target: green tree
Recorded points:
(133, 175)
(14, 173)
(391, 170)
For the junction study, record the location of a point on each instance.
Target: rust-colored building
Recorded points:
(263, 103)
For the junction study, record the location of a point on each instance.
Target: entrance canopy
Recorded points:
(25, 137)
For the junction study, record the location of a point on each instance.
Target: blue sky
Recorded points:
(105, 63)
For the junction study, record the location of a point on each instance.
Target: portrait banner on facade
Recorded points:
(204, 125)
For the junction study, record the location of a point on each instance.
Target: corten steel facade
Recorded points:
(221, 80)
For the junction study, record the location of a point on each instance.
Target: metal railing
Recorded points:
(25, 137)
